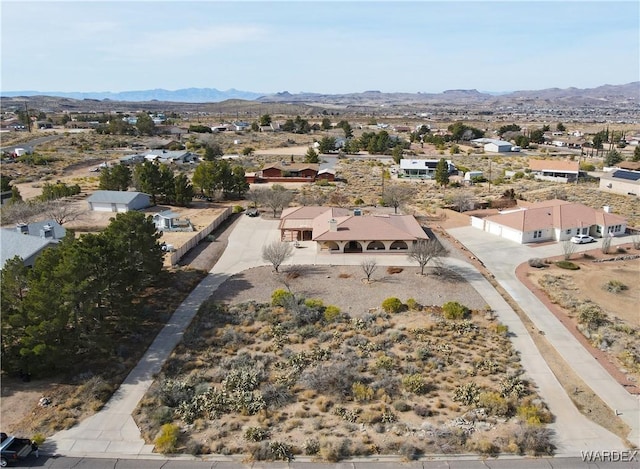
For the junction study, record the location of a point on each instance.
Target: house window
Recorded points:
(598, 229)
(569, 231)
(537, 234)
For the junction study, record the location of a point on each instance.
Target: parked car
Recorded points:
(13, 449)
(252, 212)
(582, 239)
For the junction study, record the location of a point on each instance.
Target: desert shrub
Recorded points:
(591, 316)
(172, 392)
(537, 263)
(502, 329)
(534, 440)
(568, 265)
(242, 379)
(466, 394)
(422, 411)
(424, 353)
(38, 439)
(394, 270)
(311, 446)
(409, 451)
(413, 305)
(454, 310)
(392, 305)
(336, 379)
(533, 414)
(280, 451)
(237, 209)
(167, 440)
(331, 313)
(314, 303)
(614, 286)
(483, 445)
(494, 403)
(162, 415)
(256, 434)
(512, 386)
(401, 406)
(361, 392)
(415, 383)
(280, 297)
(385, 362)
(358, 201)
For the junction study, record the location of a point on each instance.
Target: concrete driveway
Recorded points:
(502, 257)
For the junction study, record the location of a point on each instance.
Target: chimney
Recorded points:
(606, 208)
(333, 225)
(22, 228)
(47, 231)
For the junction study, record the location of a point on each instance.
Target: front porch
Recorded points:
(355, 246)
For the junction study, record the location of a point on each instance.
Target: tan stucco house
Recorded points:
(341, 230)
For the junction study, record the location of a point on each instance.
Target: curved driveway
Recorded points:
(112, 432)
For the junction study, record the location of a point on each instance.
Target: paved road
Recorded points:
(502, 257)
(113, 433)
(31, 143)
(453, 463)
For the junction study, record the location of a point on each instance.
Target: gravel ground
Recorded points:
(347, 288)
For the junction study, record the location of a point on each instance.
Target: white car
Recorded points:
(582, 239)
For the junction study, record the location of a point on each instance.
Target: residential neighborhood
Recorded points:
(270, 287)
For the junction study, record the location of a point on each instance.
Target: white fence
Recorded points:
(199, 236)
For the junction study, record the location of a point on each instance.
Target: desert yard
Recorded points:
(340, 376)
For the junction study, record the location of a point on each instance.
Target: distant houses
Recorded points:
(492, 145)
(290, 172)
(421, 169)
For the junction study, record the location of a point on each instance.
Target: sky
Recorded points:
(317, 46)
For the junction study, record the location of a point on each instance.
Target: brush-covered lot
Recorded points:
(299, 376)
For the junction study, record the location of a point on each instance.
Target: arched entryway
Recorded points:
(375, 246)
(330, 246)
(353, 246)
(398, 245)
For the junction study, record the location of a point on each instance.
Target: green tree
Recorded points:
(248, 151)
(537, 136)
(522, 141)
(147, 178)
(311, 156)
(265, 119)
(5, 183)
(145, 124)
(240, 184)
(397, 153)
(327, 144)
(183, 191)
(636, 154)
(612, 158)
(213, 151)
(509, 128)
(13, 320)
(289, 126)
(115, 178)
(560, 127)
(442, 173)
(204, 180)
(15, 195)
(167, 184)
(326, 124)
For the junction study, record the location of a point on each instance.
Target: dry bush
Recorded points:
(394, 270)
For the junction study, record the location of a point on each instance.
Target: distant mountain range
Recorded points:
(628, 93)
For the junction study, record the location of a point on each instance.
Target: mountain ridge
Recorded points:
(629, 91)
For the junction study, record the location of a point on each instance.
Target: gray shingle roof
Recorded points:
(14, 244)
(113, 197)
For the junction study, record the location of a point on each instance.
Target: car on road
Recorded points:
(582, 239)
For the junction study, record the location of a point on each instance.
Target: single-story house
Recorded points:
(327, 174)
(621, 181)
(118, 201)
(169, 157)
(423, 169)
(283, 172)
(493, 145)
(339, 230)
(131, 159)
(171, 221)
(28, 240)
(551, 220)
(555, 170)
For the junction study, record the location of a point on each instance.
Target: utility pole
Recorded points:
(26, 113)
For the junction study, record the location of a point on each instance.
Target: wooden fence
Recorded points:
(199, 236)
